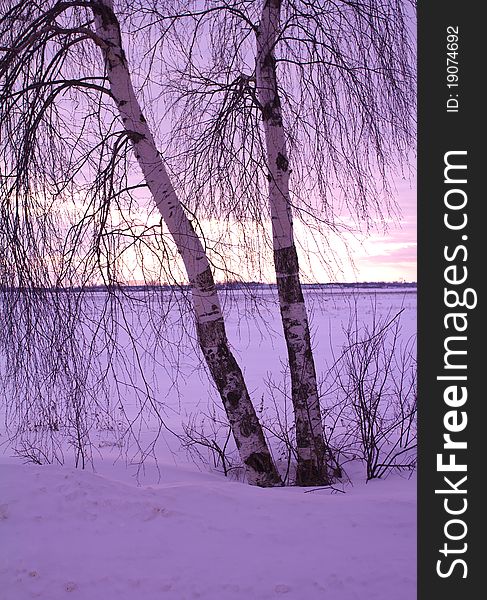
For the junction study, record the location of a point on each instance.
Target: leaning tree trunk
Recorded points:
(212, 338)
(312, 468)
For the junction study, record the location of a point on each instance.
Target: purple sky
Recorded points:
(377, 256)
(373, 257)
(392, 257)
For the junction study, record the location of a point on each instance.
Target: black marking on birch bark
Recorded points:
(282, 162)
(248, 425)
(260, 462)
(107, 15)
(233, 398)
(142, 118)
(291, 335)
(287, 271)
(303, 435)
(286, 261)
(109, 19)
(267, 112)
(204, 281)
(308, 354)
(135, 136)
(271, 112)
(315, 470)
(212, 334)
(293, 322)
(310, 474)
(289, 289)
(301, 391)
(122, 102)
(269, 61)
(276, 4)
(276, 104)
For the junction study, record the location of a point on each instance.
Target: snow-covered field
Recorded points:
(180, 531)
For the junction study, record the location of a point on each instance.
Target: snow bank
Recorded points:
(70, 533)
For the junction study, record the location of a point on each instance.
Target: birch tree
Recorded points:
(50, 64)
(312, 469)
(307, 108)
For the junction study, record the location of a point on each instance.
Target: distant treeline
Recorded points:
(233, 285)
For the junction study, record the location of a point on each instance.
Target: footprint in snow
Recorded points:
(156, 512)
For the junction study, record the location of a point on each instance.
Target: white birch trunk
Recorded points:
(212, 338)
(312, 469)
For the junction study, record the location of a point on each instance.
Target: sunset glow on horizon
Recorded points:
(325, 256)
